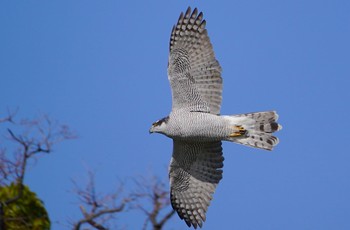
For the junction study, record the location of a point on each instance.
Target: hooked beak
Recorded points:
(151, 130)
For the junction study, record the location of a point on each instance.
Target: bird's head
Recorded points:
(159, 126)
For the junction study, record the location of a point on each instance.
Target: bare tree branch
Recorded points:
(96, 209)
(9, 117)
(151, 197)
(37, 136)
(155, 192)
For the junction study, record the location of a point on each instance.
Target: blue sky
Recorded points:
(100, 67)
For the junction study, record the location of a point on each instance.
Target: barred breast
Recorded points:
(197, 126)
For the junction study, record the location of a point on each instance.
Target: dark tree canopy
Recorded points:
(28, 212)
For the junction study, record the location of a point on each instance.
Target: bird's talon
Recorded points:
(235, 134)
(241, 131)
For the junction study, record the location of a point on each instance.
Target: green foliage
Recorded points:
(28, 212)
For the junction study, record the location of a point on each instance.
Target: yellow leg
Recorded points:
(240, 131)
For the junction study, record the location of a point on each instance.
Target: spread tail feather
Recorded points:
(258, 129)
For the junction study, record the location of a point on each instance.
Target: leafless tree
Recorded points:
(27, 139)
(97, 210)
(155, 191)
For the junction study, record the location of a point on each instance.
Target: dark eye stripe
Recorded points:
(159, 122)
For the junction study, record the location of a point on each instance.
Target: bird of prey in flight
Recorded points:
(195, 123)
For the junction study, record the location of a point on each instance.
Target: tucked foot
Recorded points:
(240, 131)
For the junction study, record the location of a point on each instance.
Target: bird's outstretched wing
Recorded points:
(194, 172)
(193, 71)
